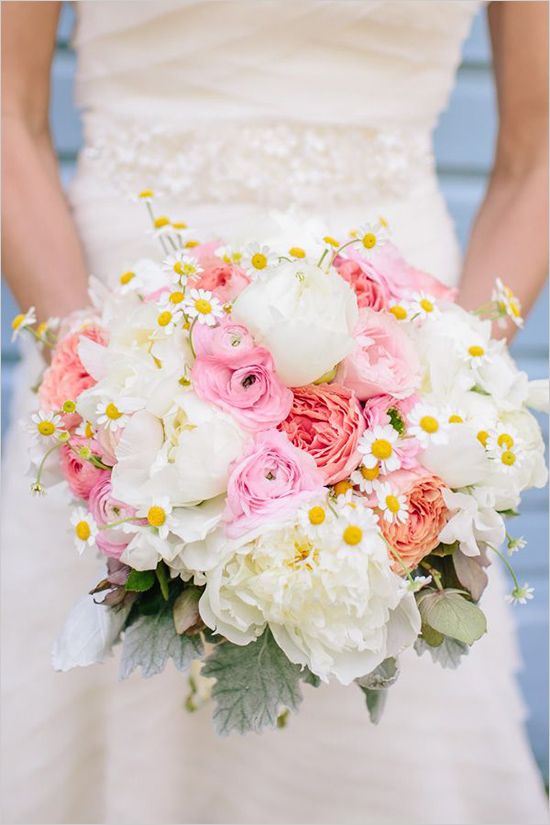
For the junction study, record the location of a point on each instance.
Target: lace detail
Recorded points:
(271, 165)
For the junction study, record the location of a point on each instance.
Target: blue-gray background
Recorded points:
(464, 144)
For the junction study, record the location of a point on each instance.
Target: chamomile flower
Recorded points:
(343, 493)
(355, 522)
(229, 255)
(180, 266)
(502, 438)
(314, 517)
(372, 236)
(394, 507)
(23, 321)
(514, 545)
(145, 196)
(200, 304)
(112, 416)
(377, 446)
(45, 425)
(367, 478)
(509, 460)
(162, 225)
(476, 354)
(454, 415)
(84, 528)
(173, 299)
(297, 252)
(423, 306)
(507, 304)
(257, 258)
(520, 594)
(428, 424)
(168, 319)
(85, 429)
(401, 310)
(128, 282)
(158, 513)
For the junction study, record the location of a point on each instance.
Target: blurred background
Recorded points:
(463, 146)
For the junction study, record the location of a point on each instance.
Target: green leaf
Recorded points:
(310, 678)
(151, 640)
(140, 580)
(382, 677)
(376, 702)
(448, 653)
(396, 420)
(163, 580)
(432, 637)
(508, 513)
(253, 682)
(444, 549)
(452, 615)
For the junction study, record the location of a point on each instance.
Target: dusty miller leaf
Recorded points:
(253, 682)
(376, 702)
(383, 676)
(448, 654)
(151, 640)
(310, 678)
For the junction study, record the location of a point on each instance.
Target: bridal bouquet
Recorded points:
(296, 463)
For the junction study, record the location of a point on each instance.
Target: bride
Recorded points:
(230, 110)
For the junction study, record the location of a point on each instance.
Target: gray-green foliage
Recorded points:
(447, 654)
(448, 613)
(151, 640)
(375, 687)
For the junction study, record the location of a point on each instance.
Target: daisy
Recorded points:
(502, 438)
(507, 304)
(45, 425)
(515, 544)
(355, 523)
(377, 447)
(366, 478)
(454, 415)
(128, 282)
(428, 424)
(201, 305)
(85, 429)
(159, 515)
(520, 595)
(423, 305)
(476, 354)
(168, 319)
(257, 258)
(313, 518)
(372, 235)
(395, 508)
(85, 529)
(23, 321)
(113, 416)
(145, 196)
(229, 255)
(181, 266)
(509, 460)
(400, 310)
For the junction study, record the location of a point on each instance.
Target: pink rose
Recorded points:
(326, 421)
(271, 477)
(105, 510)
(248, 388)
(376, 408)
(383, 361)
(226, 342)
(81, 475)
(364, 281)
(66, 376)
(225, 280)
(428, 513)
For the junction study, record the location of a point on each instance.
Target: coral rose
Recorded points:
(81, 475)
(326, 421)
(368, 288)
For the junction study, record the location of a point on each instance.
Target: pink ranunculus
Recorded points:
(247, 388)
(227, 341)
(376, 408)
(326, 421)
(81, 475)
(428, 514)
(271, 477)
(105, 510)
(368, 287)
(66, 376)
(383, 360)
(226, 281)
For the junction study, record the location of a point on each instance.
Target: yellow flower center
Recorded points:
(482, 437)
(370, 473)
(508, 458)
(352, 534)
(178, 268)
(316, 515)
(82, 530)
(69, 407)
(179, 225)
(476, 351)
(203, 306)
(176, 297)
(184, 381)
(191, 244)
(429, 424)
(112, 412)
(426, 305)
(456, 419)
(505, 440)
(383, 221)
(259, 260)
(17, 321)
(341, 487)
(392, 503)
(514, 308)
(297, 252)
(331, 241)
(306, 553)
(42, 328)
(126, 277)
(156, 516)
(161, 221)
(398, 312)
(381, 449)
(369, 240)
(46, 428)
(164, 318)
(88, 430)
(146, 193)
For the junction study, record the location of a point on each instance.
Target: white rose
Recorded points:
(303, 315)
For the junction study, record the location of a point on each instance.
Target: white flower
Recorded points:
(158, 513)
(303, 315)
(356, 524)
(520, 595)
(367, 478)
(509, 460)
(507, 303)
(168, 319)
(336, 607)
(377, 446)
(401, 310)
(113, 416)
(372, 236)
(230, 255)
(314, 516)
(423, 306)
(257, 258)
(473, 521)
(180, 266)
(428, 424)
(85, 529)
(22, 321)
(395, 507)
(202, 305)
(144, 275)
(476, 354)
(416, 583)
(45, 425)
(514, 545)
(501, 438)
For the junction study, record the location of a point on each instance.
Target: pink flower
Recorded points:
(66, 376)
(428, 514)
(377, 406)
(271, 477)
(81, 475)
(225, 280)
(365, 282)
(383, 361)
(326, 421)
(226, 342)
(105, 510)
(248, 388)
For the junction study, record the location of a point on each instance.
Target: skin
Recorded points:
(42, 256)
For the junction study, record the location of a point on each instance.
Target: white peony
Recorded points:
(303, 315)
(336, 607)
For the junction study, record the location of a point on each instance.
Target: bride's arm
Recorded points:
(510, 234)
(41, 255)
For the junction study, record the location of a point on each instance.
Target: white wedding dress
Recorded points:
(230, 109)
